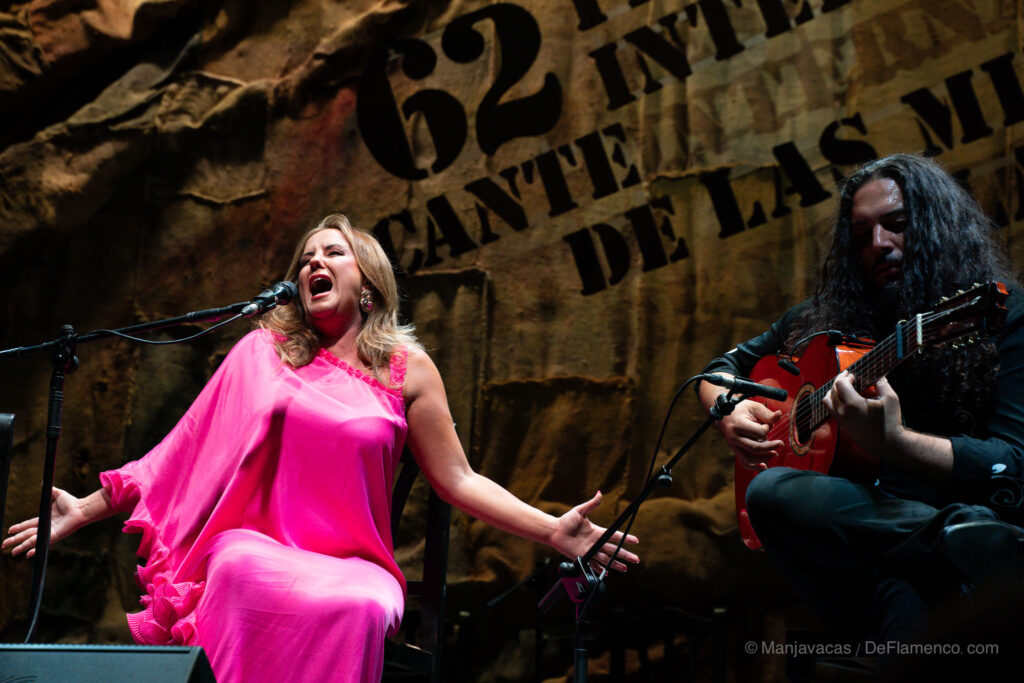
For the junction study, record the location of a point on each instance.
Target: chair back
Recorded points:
(6, 442)
(419, 656)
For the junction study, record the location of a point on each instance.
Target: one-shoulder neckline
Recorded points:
(358, 374)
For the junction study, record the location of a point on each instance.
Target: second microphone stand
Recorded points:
(579, 580)
(64, 361)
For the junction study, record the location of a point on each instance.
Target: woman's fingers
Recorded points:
(21, 537)
(15, 539)
(603, 557)
(618, 535)
(21, 526)
(589, 506)
(626, 555)
(21, 543)
(601, 561)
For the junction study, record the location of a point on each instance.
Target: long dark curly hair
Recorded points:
(949, 244)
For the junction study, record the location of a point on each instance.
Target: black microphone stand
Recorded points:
(579, 581)
(65, 362)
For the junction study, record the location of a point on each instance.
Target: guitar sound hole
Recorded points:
(802, 420)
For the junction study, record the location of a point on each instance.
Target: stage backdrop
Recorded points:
(586, 199)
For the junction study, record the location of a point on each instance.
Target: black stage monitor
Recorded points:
(103, 663)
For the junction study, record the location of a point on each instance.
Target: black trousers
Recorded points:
(865, 561)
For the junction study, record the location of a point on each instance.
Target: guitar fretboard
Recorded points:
(976, 311)
(866, 370)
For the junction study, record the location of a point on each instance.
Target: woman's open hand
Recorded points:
(575, 535)
(66, 517)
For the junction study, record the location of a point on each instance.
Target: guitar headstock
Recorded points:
(964, 317)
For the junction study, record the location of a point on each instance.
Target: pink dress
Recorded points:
(265, 520)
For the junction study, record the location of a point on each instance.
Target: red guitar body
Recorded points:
(810, 438)
(822, 450)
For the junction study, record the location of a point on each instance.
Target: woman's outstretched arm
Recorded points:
(436, 446)
(68, 514)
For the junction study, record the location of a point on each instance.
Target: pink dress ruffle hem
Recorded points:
(265, 520)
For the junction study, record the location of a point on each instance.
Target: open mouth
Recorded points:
(318, 284)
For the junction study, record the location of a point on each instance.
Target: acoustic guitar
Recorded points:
(811, 439)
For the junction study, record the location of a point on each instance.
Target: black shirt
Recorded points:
(988, 449)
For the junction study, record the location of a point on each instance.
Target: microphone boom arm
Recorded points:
(64, 361)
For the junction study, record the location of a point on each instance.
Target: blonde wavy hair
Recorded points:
(381, 334)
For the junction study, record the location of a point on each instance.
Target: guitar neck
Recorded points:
(967, 314)
(873, 365)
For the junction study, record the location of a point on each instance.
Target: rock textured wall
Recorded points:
(587, 199)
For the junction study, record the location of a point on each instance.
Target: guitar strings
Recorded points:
(810, 412)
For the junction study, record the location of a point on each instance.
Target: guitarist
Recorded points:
(870, 557)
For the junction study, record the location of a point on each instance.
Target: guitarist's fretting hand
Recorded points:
(875, 422)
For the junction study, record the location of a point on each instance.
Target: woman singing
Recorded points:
(265, 512)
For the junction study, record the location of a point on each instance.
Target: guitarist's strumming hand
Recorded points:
(746, 428)
(874, 422)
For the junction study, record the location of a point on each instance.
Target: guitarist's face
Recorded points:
(877, 220)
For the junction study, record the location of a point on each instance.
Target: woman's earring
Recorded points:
(366, 300)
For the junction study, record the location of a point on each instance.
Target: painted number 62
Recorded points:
(381, 119)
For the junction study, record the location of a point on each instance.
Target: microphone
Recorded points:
(788, 365)
(278, 295)
(746, 387)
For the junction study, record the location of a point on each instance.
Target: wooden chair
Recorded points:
(415, 654)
